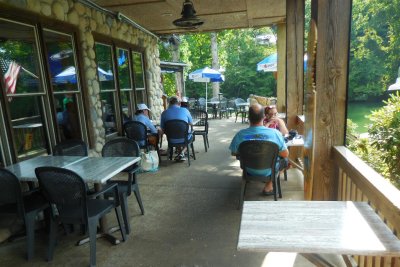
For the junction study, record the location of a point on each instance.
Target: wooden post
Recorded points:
(294, 66)
(333, 25)
(294, 60)
(281, 73)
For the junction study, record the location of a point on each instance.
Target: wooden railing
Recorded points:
(359, 182)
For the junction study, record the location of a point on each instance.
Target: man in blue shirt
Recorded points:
(257, 131)
(175, 112)
(142, 115)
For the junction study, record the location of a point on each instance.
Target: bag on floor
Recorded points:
(149, 162)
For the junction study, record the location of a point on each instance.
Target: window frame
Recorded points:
(99, 38)
(48, 116)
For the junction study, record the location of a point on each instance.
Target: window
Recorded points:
(22, 83)
(125, 84)
(38, 116)
(140, 91)
(65, 84)
(104, 57)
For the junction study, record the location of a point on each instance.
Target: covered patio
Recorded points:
(191, 216)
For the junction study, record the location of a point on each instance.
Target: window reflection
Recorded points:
(140, 91)
(67, 117)
(65, 84)
(125, 84)
(105, 66)
(61, 61)
(27, 124)
(138, 70)
(126, 106)
(19, 64)
(107, 86)
(124, 78)
(19, 69)
(108, 108)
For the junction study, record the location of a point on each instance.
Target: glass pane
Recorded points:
(60, 55)
(1, 160)
(108, 107)
(126, 106)
(141, 96)
(123, 70)
(27, 123)
(19, 63)
(138, 70)
(105, 66)
(67, 117)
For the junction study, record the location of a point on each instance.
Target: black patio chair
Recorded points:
(201, 103)
(231, 107)
(201, 128)
(137, 131)
(72, 147)
(71, 204)
(124, 147)
(240, 109)
(223, 108)
(215, 107)
(26, 205)
(179, 129)
(259, 155)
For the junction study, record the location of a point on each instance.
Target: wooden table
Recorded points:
(95, 170)
(315, 227)
(299, 142)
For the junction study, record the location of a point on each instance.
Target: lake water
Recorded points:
(357, 112)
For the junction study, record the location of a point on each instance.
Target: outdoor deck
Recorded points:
(191, 216)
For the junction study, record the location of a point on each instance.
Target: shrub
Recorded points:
(384, 137)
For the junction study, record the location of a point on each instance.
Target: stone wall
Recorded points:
(89, 20)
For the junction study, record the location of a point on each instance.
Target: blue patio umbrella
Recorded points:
(270, 63)
(206, 75)
(69, 75)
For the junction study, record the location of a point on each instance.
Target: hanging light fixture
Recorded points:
(189, 18)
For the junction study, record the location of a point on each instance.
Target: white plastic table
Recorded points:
(315, 227)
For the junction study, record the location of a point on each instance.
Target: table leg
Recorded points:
(104, 230)
(317, 260)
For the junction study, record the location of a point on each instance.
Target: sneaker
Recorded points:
(177, 157)
(182, 157)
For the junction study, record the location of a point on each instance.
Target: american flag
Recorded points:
(10, 70)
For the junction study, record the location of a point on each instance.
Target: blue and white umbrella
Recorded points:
(69, 75)
(395, 86)
(270, 63)
(206, 75)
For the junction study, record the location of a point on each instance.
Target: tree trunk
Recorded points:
(215, 61)
(178, 75)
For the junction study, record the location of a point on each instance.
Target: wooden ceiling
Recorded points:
(158, 15)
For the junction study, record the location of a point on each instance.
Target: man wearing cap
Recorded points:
(175, 112)
(185, 102)
(142, 115)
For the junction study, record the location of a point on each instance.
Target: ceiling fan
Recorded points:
(189, 18)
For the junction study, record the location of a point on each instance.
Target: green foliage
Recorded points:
(374, 54)
(384, 134)
(238, 53)
(381, 150)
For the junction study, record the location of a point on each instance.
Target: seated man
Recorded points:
(175, 112)
(257, 131)
(142, 115)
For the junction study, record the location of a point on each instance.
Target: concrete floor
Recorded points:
(191, 216)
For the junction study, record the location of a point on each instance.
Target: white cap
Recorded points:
(142, 106)
(185, 99)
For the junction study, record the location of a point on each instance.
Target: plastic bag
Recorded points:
(149, 162)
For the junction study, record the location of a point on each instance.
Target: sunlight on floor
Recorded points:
(281, 259)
